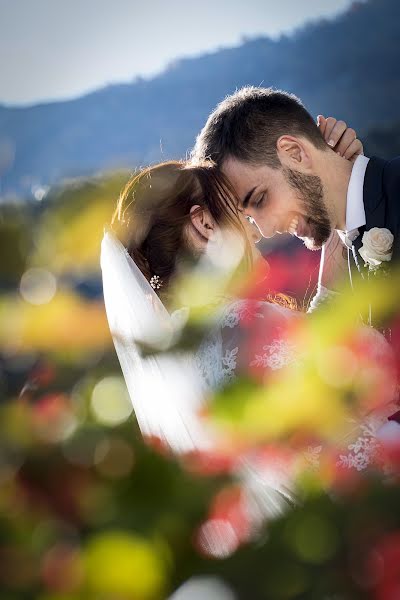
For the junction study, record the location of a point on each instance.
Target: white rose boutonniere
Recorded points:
(377, 247)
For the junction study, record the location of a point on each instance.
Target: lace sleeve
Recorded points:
(249, 336)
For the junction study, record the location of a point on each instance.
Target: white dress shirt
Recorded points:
(355, 218)
(355, 212)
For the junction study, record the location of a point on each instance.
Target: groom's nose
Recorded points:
(266, 226)
(269, 228)
(255, 233)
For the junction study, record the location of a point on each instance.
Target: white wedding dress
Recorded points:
(228, 345)
(230, 350)
(169, 389)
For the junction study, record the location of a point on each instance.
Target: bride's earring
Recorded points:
(156, 282)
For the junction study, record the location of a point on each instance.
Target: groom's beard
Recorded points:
(310, 192)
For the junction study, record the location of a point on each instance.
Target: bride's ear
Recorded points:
(202, 222)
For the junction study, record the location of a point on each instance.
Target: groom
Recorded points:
(289, 180)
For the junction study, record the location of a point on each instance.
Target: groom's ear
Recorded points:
(202, 221)
(294, 153)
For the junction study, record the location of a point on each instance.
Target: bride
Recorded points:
(170, 219)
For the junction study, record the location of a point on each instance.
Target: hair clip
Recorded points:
(156, 282)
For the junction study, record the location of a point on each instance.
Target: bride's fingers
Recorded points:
(321, 122)
(348, 137)
(334, 131)
(341, 138)
(354, 150)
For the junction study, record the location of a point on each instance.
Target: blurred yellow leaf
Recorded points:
(124, 566)
(70, 232)
(67, 322)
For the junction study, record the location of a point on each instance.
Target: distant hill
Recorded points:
(348, 68)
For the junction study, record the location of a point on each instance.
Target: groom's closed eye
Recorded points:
(259, 201)
(246, 200)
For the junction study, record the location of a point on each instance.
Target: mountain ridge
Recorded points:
(148, 120)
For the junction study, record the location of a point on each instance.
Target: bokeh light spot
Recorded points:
(198, 588)
(110, 403)
(123, 566)
(38, 286)
(217, 538)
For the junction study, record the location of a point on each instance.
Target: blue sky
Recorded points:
(55, 49)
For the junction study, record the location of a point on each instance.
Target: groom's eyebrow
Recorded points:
(247, 197)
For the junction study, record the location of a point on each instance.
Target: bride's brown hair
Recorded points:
(154, 208)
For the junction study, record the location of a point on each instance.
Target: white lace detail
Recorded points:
(229, 362)
(365, 447)
(312, 456)
(276, 355)
(363, 451)
(239, 311)
(208, 362)
(217, 357)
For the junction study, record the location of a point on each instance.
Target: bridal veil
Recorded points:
(163, 385)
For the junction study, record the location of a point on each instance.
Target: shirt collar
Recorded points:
(355, 212)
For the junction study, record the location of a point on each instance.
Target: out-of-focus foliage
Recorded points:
(71, 226)
(70, 322)
(343, 368)
(89, 511)
(51, 253)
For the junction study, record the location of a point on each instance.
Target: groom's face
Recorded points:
(281, 200)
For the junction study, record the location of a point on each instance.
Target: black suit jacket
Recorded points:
(382, 201)
(382, 208)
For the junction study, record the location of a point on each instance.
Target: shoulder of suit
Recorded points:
(392, 173)
(393, 163)
(389, 171)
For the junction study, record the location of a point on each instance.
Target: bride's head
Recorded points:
(172, 211)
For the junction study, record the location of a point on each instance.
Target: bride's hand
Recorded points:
(341, 138)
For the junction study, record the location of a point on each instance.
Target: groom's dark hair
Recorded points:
(248, 124)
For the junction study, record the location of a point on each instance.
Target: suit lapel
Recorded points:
(358, 271)
(375, 214)
(357, 259)
(374, 205)
(375, 208)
